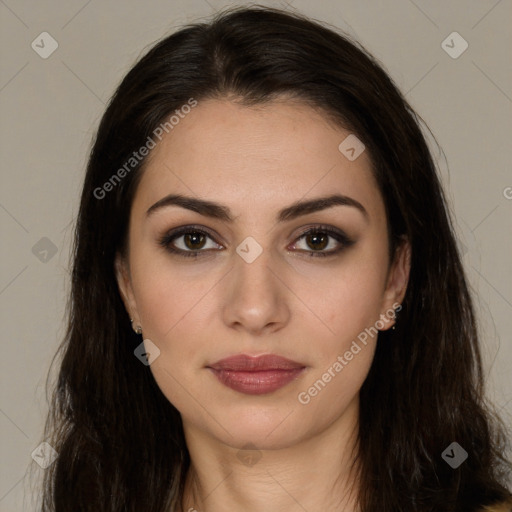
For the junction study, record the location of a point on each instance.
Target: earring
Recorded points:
(138, 329)
(395, 316)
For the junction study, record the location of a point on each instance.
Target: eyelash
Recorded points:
(339, 236)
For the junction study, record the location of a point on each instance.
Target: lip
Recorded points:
(256, 375)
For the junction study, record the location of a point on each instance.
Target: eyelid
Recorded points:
(339, 235)
(336, 233)
(169, 236)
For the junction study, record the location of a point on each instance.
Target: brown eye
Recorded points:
(189, 241)
(322, 241)
(194, 240)
(317, 241)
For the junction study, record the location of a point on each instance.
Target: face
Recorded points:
(266, 270)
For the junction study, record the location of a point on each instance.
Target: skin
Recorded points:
(256, 161)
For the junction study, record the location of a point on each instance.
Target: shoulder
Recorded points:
(502, 506)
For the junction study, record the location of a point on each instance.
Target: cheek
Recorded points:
(171, 310)
(178, 306)
(349, 308)
(345, 298)
(348, 301)
(345, 351)
(166, 293)
(328, 392)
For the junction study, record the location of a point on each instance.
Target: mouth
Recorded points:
(256, 375)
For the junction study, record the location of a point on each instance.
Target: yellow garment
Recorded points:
(505, 506)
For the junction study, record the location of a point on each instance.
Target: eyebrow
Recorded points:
(221, 212)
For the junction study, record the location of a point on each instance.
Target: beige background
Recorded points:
(51, 108)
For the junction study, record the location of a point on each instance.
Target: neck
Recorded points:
(317, 473)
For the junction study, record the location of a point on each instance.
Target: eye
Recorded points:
(192, 241)
(188, 241)
(319, 238)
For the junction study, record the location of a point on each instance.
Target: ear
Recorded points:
(396, 285)
(124, 283)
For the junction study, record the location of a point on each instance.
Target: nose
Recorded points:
(256, 300)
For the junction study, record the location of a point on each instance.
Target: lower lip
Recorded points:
(256, 383)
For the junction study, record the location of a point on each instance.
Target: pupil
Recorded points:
(192, 239)
(318, 238)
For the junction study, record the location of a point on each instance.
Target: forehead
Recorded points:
(256, 158)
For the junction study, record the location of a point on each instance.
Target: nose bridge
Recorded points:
(256, 298)
(255, 276)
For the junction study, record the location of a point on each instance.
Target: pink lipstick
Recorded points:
(256, 375)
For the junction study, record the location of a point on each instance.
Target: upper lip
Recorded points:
(253, 364)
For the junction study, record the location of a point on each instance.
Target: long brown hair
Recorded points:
(120, 442)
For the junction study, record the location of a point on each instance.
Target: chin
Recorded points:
(266, 427)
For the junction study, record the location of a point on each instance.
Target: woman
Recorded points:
(268, 306)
